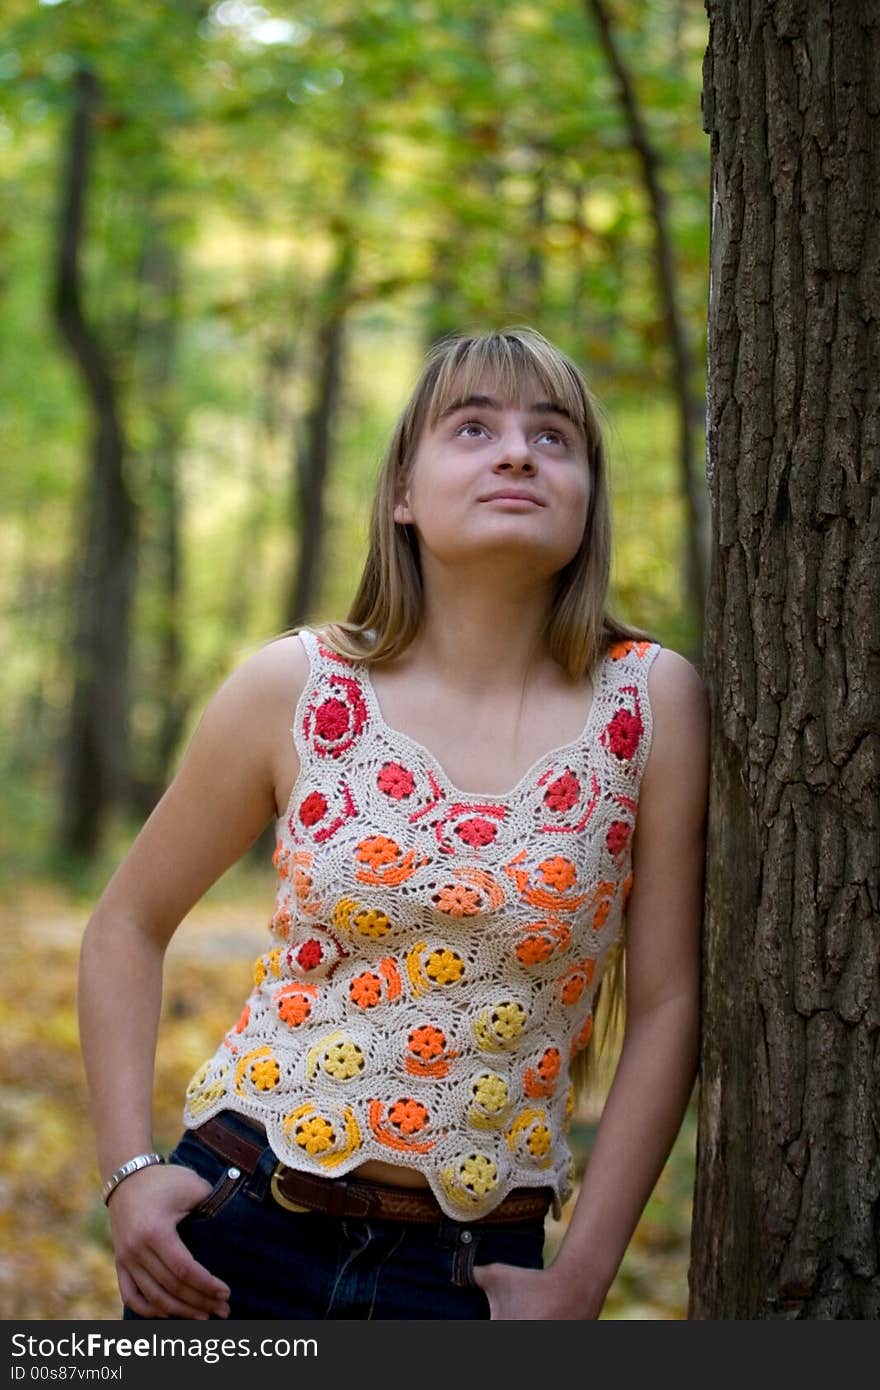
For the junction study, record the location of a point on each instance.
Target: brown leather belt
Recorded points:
(343, 1197)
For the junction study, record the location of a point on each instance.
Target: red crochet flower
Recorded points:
(562, 794)
(396, 780)
(331, 720)
(624, 732)
(313, 808)
(310, 954)
(477, 831)
(618, 836)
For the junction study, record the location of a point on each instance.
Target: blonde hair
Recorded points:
(387, 609)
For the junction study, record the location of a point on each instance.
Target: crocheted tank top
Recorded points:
(434, 953)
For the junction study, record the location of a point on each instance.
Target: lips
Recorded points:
(514, 495)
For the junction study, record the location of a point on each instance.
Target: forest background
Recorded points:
(229, 233)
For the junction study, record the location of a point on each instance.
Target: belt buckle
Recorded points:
(275, 1188)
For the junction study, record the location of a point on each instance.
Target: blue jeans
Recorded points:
(308, 1265)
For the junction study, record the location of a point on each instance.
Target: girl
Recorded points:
(455, 773)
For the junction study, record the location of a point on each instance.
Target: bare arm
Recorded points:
(657, 1066)
(218, 803)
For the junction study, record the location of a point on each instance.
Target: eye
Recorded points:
(470, 425)
(557, 437)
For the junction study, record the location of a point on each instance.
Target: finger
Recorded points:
(174, 1288)
(131, 1294)
(163, 1304)
(184, 1268)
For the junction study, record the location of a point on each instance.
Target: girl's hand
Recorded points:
(519, 1295)
(158, 1277)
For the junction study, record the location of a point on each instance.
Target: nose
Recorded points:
(514, 450)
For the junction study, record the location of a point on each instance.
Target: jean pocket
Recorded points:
(226, 1181)
(463, 1260)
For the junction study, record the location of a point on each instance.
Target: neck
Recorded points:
(483, 638)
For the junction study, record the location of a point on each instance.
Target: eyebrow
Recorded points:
(539, 408)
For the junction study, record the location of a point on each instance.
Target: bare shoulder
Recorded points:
(279, 670)
(680, 716)
(269, 675)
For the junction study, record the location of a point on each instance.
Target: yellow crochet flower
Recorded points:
(343, 1060)
(265, 1074)
(569, 1106)
(539, 1141)
(199, 1095)
(316, 1136)
(371, 923)
(508, 1020)
(478, 1174)
(490, 1092)
(444, 967)
(341, 917)
(264, 964)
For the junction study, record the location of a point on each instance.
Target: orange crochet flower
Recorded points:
(244, 1020)
(366, 990)
(294, 1009)
(558, 872)
(583, 1037)
(427, 1042)
(280, 923)
(409, 1116)
(458, 901)
(534, 949)
(550, 1063)
(620, 649)
(378, 850)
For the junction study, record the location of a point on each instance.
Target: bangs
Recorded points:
(508, 367)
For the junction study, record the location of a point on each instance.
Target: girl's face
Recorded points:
(483, 446)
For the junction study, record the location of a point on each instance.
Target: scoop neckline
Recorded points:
(420, 748)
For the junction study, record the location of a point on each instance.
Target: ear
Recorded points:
(402, 513)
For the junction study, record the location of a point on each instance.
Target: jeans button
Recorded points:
(466, 1237)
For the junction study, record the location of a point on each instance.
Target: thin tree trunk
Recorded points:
(158, 331)
(95, 752)
(277, 366)
(689, 407)
(535, 267)
(786, 1213)
(312, 464)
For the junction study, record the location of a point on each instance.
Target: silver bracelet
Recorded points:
(133, 1165)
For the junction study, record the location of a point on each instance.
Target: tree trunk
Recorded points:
(312, 465)
(95, 754)
(786, 1217)
(696, 530)
(158, 332)
(534, 269)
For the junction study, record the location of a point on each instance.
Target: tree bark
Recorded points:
(95, 753)
(786, 1217)
(312, 465)
(696, 529)
(158, 334)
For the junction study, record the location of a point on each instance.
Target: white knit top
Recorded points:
(434, 953)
